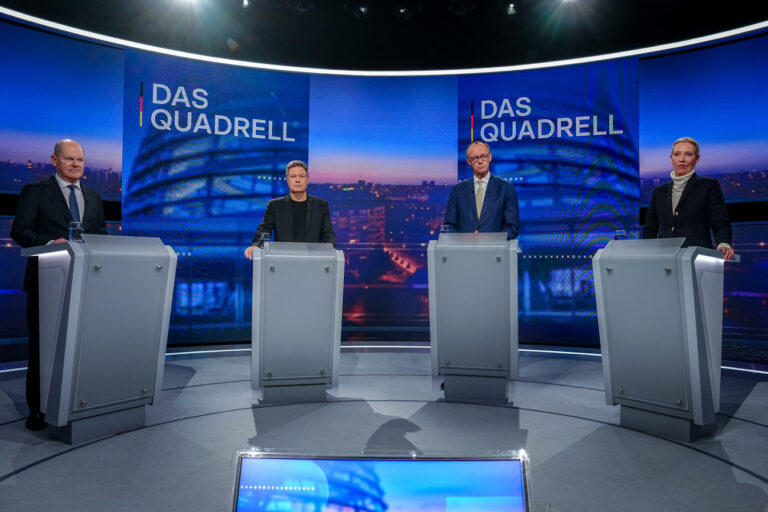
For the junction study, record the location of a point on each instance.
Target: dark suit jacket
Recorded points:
(278, 218)
(42, 215)
(500, 212)
(700, 213)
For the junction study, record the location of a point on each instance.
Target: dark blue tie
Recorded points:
(73, 209)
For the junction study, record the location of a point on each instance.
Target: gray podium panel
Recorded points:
(660, 316)
(473, 314)
(104, 315)
(296, 329)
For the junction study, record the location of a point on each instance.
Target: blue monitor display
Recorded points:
(378, 485)
(195, 149)
(717, 96)
(40, 107)
(566, 138)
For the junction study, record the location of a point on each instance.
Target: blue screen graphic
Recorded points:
(204, 151)
(566, 138)
(39, 110)
(725, 112)
(380, 485)
(195, 150)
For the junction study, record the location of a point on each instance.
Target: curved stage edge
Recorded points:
(386, 400)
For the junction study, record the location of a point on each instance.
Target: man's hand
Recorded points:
(728, 252)
(249, 252)
(60, 241)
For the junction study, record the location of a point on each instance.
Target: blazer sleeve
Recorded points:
(327, 235)
(511, 213)
(718, 216)
(99, 226)
(651, 228)
(267, 222)
(452, 210)
(24, 230)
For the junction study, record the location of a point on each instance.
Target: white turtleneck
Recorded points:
(678, 184)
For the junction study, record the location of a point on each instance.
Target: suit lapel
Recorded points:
(86, 192)
(491, 191)
(687, 190)
(58, 199)
(469, 192)
(310, 205)
(289, 214)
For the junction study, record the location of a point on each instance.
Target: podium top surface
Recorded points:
(658, 246)
(101, 242)
(278, 248)
(645, 246)
(469, 239)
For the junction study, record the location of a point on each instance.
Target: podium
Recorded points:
(296, 320)
(473, 314)
(660, 316)
(104, 312)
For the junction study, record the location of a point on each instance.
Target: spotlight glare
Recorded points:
(245, 4)
(511, 9)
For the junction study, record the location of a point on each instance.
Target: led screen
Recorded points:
(745, 312)
(717, 96)
(194, 150)
(55, 88)
(205, 149)
(381, 152)
(380, 485)
(566, 138)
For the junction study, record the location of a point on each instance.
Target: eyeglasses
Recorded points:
(478, 158)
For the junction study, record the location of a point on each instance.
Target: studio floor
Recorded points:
(387, 400)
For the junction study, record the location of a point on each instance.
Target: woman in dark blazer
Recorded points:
(690, 206)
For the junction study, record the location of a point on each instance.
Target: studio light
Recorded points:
(403, 12)
(359, 9)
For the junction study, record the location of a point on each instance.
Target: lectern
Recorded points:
(105, 306)
(473, 314)
(296, 320)
(660, 316)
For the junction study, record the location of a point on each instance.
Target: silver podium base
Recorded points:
(470, 388)
(671, 427)
(103, 425)
(293, 394)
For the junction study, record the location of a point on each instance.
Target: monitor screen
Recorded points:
(265, 482)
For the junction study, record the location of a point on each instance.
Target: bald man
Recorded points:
(43, 214)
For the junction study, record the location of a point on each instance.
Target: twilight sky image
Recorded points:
(715, 95)
(389, 130)
(73, 92)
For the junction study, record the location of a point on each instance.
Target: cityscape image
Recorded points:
(37, 113)
(725, 113)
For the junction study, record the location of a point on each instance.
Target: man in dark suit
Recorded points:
(484, 203)
(297, 217)
(43, 214)
(690, 206)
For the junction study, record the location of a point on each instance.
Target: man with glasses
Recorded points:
(297, 217)
(484, 203)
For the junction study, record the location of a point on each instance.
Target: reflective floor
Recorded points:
(581, 459)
